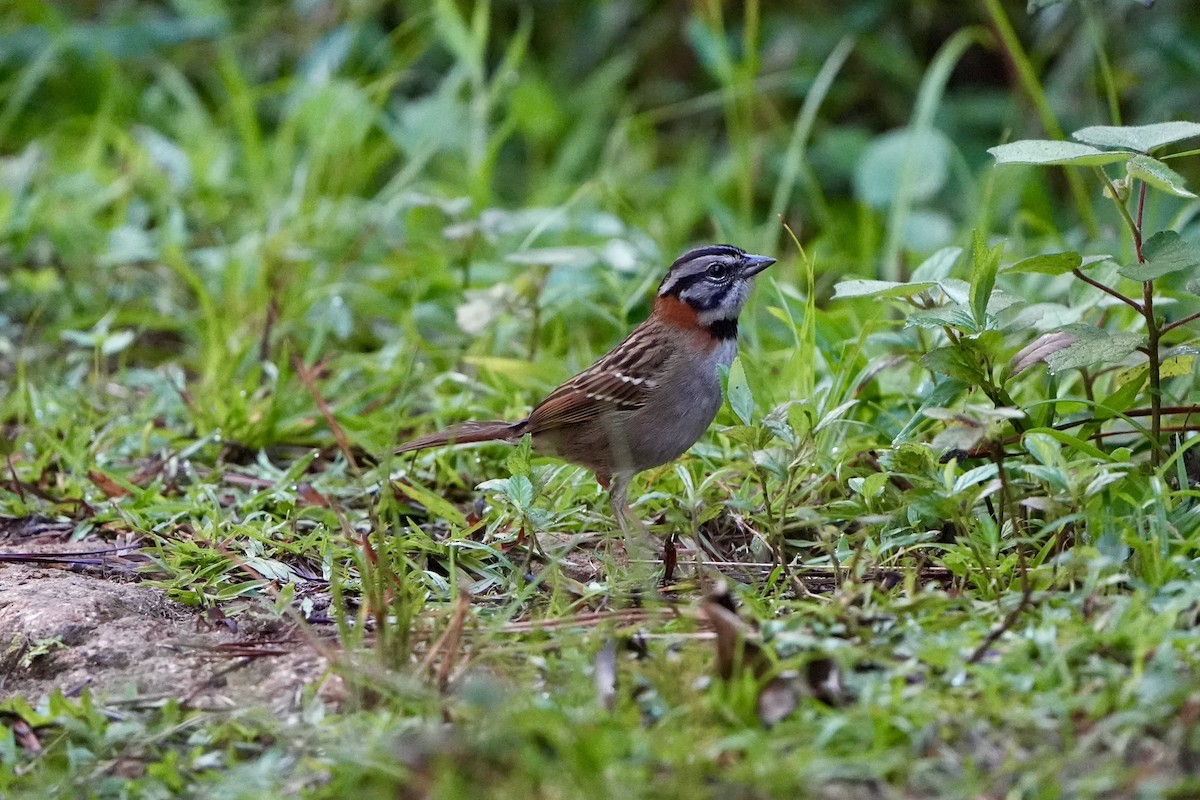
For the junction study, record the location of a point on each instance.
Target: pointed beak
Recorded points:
(752, 265)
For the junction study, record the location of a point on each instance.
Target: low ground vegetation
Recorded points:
(941, 542)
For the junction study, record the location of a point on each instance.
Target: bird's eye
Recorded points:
(718, 271)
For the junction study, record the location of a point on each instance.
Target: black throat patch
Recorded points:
(724, 329)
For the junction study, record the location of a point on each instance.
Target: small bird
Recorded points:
(652, 396)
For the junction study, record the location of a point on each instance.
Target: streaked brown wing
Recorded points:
(620, 381)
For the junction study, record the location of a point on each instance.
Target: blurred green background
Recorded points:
(226, 225)
(215, 185)
(451, 206)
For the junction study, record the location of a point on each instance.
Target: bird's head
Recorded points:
(714, 281)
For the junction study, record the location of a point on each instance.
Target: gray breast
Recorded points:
(682, 411)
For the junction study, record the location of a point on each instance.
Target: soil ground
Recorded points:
(64, 626)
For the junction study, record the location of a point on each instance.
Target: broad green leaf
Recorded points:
(738, 391)
(865, 287)
(1092, 346)
(1134, 375)
(956, 316)
(959, 291)
(1142, 138)
(874, 484)
(1000, 300)
(937, 266)
(944, 392)
(922, 161)
(116, 341)
(1128, 385)
(908, 459)
(1158, 175)
(1176, 366)
(1048, 263)
(1045, 449)
(1049, 152)
(1054, 476)
(1037, 317)
(956, 361)
(958, 437)
(434, 503)
(959, 315)
(925, 230)
(976, 413)
(1165, 253)
(1071, 441)
(518, 462)
(986, 262)
(975, 477)
(520, 491)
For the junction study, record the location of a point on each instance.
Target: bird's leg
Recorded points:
(637, 537)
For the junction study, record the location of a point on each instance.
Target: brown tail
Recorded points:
(466, 433)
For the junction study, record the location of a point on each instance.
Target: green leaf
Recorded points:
(1056, 263)
(923, 230)
(1142, 138)
(1076, 442)
(944, 392)
(937, 266)
(518, 462)
(434, 503)
(1158, 175)
(1129, 385)
(116, 341)
(863, 287)
(1091, 261)
(520, 491)
(1049, 152)
(921, 159)
(956, 316)
(1177, 366)
(738, 392)
(976, 476)
(1165, 252)
(959, 436)
(957, 361)
(983, 275)
(1092, 346)
(958, 291)
(1048, 263)
(1044, 448)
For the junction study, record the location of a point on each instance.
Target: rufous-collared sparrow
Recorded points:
(653, 395)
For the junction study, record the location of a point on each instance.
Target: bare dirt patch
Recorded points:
(66, 630)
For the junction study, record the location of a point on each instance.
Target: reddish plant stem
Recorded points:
(1177, 323)
(1137, 229)
(1135, 305)
(985, 450)
(1153, 335)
